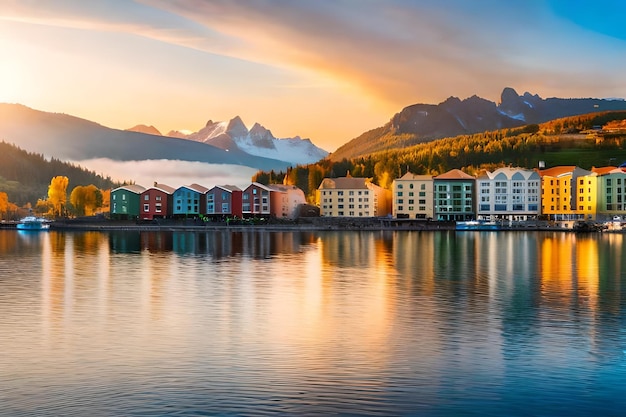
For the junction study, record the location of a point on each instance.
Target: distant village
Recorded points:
(558, 194)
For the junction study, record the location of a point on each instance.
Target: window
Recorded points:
(146, 207)
(157, 198)
(146, 197)
(158, 207)
(225, 208)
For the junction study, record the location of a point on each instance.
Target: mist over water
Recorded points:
(171, 172)
(311, 323)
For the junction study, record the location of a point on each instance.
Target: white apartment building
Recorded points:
(512, 194)
(413, 197)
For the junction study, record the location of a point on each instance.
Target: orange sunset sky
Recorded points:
(324, 70)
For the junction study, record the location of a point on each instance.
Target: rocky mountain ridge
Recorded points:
(257, 141)
(425, 122)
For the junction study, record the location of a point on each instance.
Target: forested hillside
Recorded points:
(567, 141)
(25, 176)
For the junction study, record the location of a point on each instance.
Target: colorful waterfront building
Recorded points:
(413, 197)
(224, 200)
(352, 197)
(511, 194)
(256, 200)
(189, 200)
(611, 201)
(454, 196)
(560, 193)
(156, 202)
(286, 200)
(125, 201)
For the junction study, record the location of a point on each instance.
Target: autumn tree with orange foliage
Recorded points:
(6, 207)
(57, 194)
(86, 199)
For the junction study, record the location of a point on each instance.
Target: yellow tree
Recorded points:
(4, 204)
(106, 200)
(57, 193)
(86, 199)
(43, 207)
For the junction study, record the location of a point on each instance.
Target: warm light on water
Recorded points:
(314, 323)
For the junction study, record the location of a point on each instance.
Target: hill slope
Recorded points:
(25, 176)
(70, 138)
(426, 122)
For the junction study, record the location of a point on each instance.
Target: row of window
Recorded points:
(401, 186)
(350, 206)
(350, 200)
(341, 192)
(504, 207)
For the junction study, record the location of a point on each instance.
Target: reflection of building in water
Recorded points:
(125, 241)
(348, 249)
(573, 267)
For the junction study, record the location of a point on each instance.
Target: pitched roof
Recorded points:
(454, 174)
(282, 187)
(162, 187)
(199, 188)
(229, 188)
(557, 171)
(409, 176)
(344, 183)
(605, 170)
(133, 188)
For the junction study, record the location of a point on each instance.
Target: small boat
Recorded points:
(477, 225)
(33, 223)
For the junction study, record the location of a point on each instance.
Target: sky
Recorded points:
(327, 70)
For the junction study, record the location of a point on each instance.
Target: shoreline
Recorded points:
(303, 224)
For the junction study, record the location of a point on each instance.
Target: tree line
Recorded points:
(524, 147)
(25, 176)
(83, 201)
(28, 181)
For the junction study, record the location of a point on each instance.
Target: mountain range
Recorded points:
(70, 138)
(258, 141)
(425, 122)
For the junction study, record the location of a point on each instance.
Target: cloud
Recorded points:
(401, 50)
(171, 172)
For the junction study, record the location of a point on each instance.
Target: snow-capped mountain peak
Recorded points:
(257, 141)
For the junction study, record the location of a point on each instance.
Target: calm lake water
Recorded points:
(312, 323)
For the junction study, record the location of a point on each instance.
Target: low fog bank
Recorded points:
(170, 172)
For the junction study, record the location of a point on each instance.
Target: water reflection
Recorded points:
(317, 322)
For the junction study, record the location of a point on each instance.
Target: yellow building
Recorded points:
(352, 197)
(413, 196)
(568, 193)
